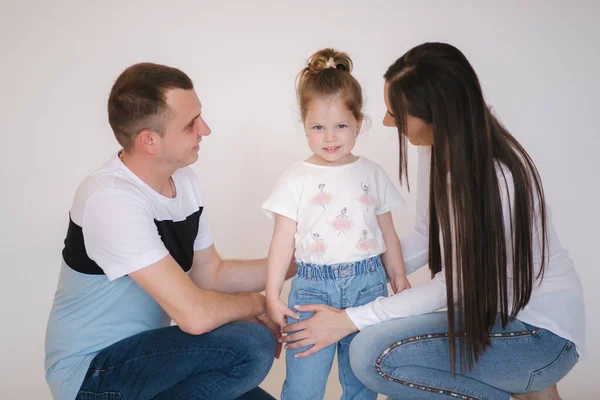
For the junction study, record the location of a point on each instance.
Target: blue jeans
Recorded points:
(408, 358)
(168, 363)
(340, 286)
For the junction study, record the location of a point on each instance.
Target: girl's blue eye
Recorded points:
(317, 127)
(342, 126)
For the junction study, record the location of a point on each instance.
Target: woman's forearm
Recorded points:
(418, 300)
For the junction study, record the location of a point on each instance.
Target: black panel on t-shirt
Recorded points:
(178, 237)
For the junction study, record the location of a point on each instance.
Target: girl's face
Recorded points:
(418, 132)
(331, 130)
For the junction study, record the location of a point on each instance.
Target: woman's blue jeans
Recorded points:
(408, 358)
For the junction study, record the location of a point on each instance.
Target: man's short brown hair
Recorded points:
(137, 100)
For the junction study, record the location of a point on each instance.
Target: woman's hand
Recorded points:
(327, 326)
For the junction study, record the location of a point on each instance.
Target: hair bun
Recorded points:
(329, 59)
(321, 77)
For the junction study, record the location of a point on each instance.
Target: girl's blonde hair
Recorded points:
(329, 74)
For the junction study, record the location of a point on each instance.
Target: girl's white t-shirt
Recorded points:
(335, 208)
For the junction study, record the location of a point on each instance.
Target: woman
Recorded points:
(515, 319)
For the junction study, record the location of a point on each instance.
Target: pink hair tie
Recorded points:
(331, 63)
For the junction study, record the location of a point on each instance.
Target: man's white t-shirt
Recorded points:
(118, 225)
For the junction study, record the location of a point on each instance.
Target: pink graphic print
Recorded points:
(319, 247)
(322, 198)
(366, 199)
(366, 245)
(342, 222)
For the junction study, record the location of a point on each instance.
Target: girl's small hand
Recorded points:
(278, 310)
(327, 326)
(399, 283)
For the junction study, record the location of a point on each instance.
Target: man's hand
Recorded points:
(275, 330)
(399, 283)
(278, 310)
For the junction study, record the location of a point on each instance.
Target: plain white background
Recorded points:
(537, 60)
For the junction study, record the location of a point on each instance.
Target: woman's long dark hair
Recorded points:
(436, 83)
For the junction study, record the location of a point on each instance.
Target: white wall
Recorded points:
(537, 61)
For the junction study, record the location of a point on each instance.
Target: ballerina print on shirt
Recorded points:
(319, 247)
(342, 222)
(366, 199)
(365, 244)
(322, 198)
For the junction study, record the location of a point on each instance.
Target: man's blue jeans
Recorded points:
(408, 358)
(226, 363)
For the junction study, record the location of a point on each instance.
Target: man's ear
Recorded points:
(146, 141)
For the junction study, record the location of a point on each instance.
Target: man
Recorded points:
(137, 227)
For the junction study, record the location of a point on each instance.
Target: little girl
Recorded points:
(334, 210)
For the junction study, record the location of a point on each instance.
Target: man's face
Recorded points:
(183, 133)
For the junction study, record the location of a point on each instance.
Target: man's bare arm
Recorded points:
(211, 272)
(194, 309)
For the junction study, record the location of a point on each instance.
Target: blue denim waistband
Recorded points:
(338, 271)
